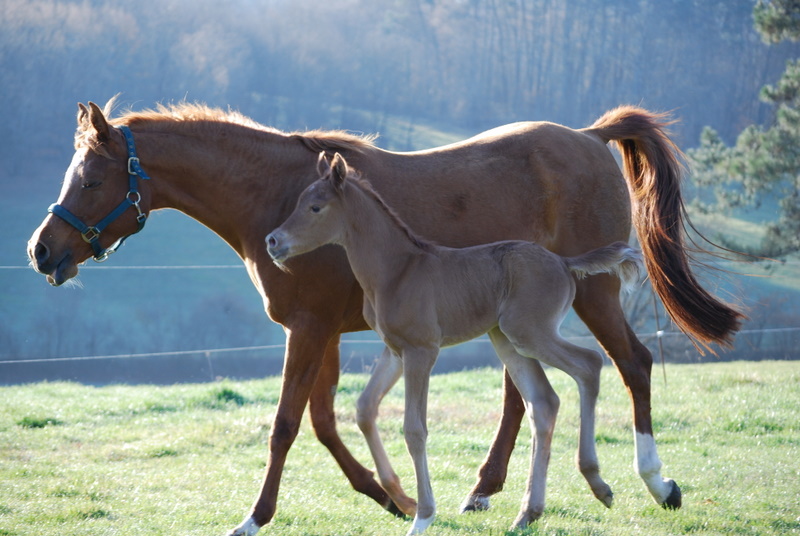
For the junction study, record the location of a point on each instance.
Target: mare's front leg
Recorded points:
(323, 420)
(493, 470)
(388, 370)
(305, 347)
(597, 304)
(417, 366)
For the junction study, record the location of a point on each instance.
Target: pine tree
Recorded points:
(764, 164)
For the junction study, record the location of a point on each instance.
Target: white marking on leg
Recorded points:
(474, 503)
(247, 528)
(420, 524)
(648, 466)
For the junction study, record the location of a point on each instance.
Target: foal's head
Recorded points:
(316, 219)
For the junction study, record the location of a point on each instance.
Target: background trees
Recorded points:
(420, 73)
(761, 171)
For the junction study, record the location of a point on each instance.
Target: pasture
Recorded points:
(188, 459)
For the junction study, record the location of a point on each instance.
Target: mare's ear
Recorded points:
(98, 122)
(323, 166)
(339, 174)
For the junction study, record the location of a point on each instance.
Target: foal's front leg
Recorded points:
(417, 366)
(388, 370)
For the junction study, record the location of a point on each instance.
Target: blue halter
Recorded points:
(91, 234)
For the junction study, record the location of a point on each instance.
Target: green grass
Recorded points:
(188, 459)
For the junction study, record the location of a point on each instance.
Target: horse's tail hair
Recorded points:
(653, 168)
(617, 259)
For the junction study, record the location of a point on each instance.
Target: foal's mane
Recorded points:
(203, 116)
(365, 186)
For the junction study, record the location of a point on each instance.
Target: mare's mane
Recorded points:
(365, 186)
(206, 117)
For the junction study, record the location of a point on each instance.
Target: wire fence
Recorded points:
(344, 342)
(357, 353)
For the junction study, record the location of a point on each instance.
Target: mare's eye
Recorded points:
(315, 208)
(89, 185)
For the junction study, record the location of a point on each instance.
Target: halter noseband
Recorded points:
(91, 234)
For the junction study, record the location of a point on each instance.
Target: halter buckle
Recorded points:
(90, 235)
(133, 165)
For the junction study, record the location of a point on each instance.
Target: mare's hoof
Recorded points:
(474, 503)
(673, 501)
(247, 528)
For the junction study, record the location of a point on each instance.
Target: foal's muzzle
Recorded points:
(275, 248)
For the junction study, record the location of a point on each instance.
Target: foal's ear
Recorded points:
(339, 171)
(323, 166)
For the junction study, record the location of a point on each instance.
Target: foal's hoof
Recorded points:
(474, 503)
(673, 501)
(607, 498)
(526, 517)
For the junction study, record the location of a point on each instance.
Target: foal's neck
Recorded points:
(379, 246)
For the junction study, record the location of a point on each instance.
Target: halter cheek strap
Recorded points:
(91, 234)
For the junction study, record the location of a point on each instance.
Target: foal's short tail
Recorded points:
(652, 165)
(617, 259)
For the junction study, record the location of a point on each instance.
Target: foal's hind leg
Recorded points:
(388, 370)
(542, 406)
(584, 366)
(597, 304)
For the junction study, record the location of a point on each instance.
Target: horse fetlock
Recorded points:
(474, 503)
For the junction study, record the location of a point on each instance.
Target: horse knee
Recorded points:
(416, 434)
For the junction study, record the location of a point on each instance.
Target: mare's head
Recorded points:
(98, 204)
(317, 218)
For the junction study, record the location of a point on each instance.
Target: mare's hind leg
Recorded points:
(542, 407)
(597, 304)
(584, 366)
(388, 370)
(323, 421)
(493, 470)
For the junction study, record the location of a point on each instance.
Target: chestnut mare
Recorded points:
(540, 182)
(419, 296)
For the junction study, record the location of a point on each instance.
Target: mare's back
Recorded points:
(539, 182)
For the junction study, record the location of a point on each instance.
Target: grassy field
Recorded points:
(188, 459)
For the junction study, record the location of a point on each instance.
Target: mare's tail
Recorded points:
(652, 166)
(617, 259)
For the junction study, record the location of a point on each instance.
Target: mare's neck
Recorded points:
(378, 247)
(232, 179)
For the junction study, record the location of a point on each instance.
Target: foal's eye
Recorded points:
(315, 208)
